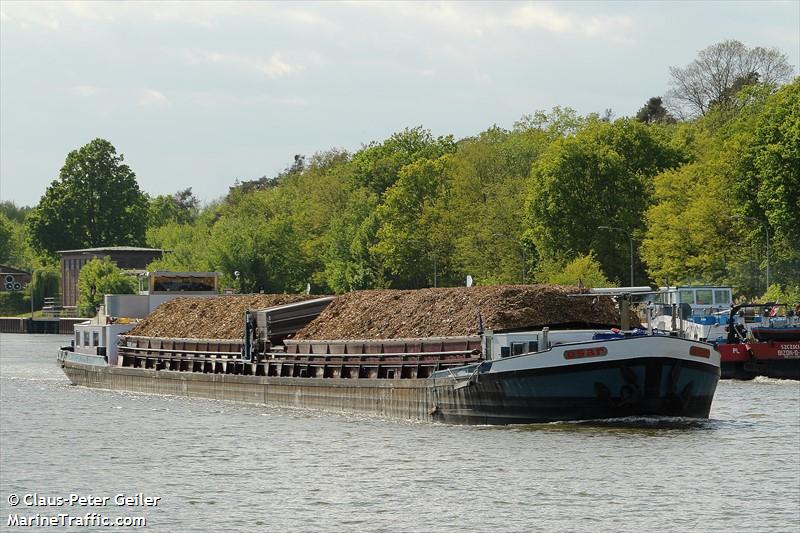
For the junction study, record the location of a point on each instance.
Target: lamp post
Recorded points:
(630, 238)
(238, 280)
(766, 232)
(521, 250)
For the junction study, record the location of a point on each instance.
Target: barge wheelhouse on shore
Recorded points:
(500, 377)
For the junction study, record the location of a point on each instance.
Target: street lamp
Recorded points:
(521, 249)
(629, 238)
(238, 280)
(766, 231)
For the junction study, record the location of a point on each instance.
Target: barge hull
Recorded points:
(641, 388)
(596, 391)
(404, 399)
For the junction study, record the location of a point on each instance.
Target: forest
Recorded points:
(702, 185)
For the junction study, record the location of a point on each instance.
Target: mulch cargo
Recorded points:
(385, 314)
(215, 317)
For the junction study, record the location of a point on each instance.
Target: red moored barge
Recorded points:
(771, 351)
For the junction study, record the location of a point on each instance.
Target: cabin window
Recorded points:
(86, 338)
(722, 297)
(95, 338)
(533, 346)
(77, 338)
(505, 351)
(518, 348)
(687, 297)
(704, 297)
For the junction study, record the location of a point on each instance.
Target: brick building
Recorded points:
(125, 257)
(13, 279)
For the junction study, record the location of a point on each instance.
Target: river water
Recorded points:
(218, 466)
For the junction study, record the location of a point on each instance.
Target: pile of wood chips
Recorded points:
(386, 314)
(215, 317)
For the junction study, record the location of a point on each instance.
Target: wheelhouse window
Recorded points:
(704, 297)
(722, 297)
(687, 296)
(86, 338)
(95, 338)
(518, 348)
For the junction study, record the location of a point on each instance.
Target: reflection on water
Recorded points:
(240, 467)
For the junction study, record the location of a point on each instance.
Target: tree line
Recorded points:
(686, 191)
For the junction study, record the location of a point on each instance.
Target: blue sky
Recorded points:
(200, 94)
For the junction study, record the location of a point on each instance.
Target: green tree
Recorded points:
(94, 202)
(600, 176)
(348, 262)
(257, 240)
(486, 199)
(787, 294)
(45, 283)
(767, 187)
(14, 213)
(583, 269)
(689, 237)
(6, 233)
(654, 112)
(378, 165)
(186, 245)
(692, 235)
(15, 249)
(97, 278)
(182, 207)
(413, 245)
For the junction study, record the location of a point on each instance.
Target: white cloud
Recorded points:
(197, 13)
(27, 18)
(151, 97)
(222, 99)
(144, 96)
(273, 67)
(480, 20)
(86, 90)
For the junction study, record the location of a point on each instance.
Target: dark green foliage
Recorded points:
(654, 112)
(94, 202)
(264, 183)
(14, 213)
(14, 303)
(601, 176)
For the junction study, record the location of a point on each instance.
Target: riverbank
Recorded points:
(58, 326)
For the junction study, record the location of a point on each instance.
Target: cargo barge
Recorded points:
(489, 377)
(769, 348)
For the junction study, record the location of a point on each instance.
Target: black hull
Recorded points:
(640, 388)
(598, 390)
(770, 368)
